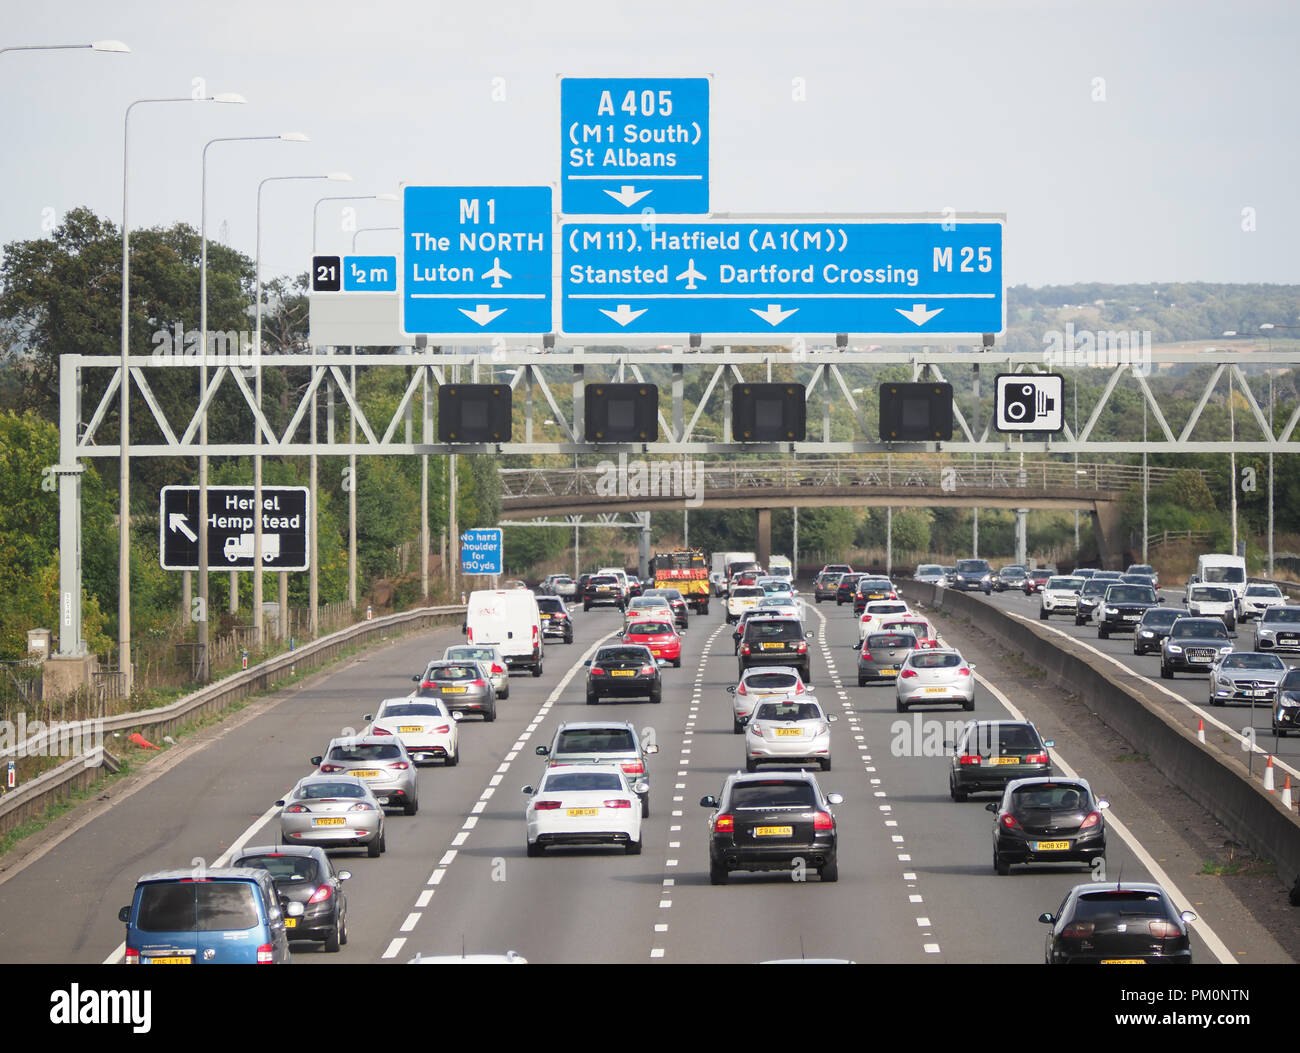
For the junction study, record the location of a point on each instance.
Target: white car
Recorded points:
(1258, 599)
(740, 599)
(927, 636)
(1278, 630)
(791, 730)
(759, 684)
(1060, 595)
(491, 656)
(935, 676)
(876, 613)
(584, 804)
(425, 726)
(1212, 601)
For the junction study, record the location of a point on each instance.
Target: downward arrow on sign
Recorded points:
(628, 195)
(177, 522)
(482, 314)
(774, 315)
(918, 314)
(624, 314)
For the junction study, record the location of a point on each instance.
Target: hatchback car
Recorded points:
(775, 641)
(555, 618)
(1193, 645)
(792, 731)
(929, 573)
(871, 590)
(935, 677)
(1278, 629)
(742, 598)
(1010, 577)
(603, 742)
(624, 671)
(1090, 597)
(772, 821)
(603, 590)
(1118, 923)
(676, 602)
(1246, 676)
(847, 588)
(927, 637)
(1047, 820)
(826, 585)
(876, 613)
(883, 655)
(646, 606)
(1286, 707)
(760, 684)
(304, 874)
(333, 811)
(972, 575)
(660, 636)
(991, 753)
(493, 659)
(1147, 570)
(584, 804)
(381, 761)
(1154, 626)
(426, 728)
(464, 686)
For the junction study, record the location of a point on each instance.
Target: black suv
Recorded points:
(1151, 631)
(847, 588)
(555, 618)
(973, 574)
(1122, 608)
(775, 641)
(772, 821)
(602, 590)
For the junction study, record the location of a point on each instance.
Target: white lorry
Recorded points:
(720, 572)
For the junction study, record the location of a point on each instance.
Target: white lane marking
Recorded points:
(447, 857)
(422, 900)
(395, 946)
(1211, 938)
(411, 921)
(657, 952)
(931, 948)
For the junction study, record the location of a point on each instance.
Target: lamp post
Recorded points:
(1267, 329)
(124, 450)
(286, 137)
(257, 397)
(99, 45)
(366, 230)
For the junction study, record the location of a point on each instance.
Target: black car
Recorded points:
(1090, 596)
(1286, 706)
(772, 821)
(1118, 923)
(1193, 645)
(1047, 820)
(972, 574)
(847, 588)
(1151, 630)
(775, 641)
(1122, 607)
(555, 618)
(602, 590)
(304, 874)
(623, 671)
(991, 753)
(870, 589)
(1010, 577)
(738, 633)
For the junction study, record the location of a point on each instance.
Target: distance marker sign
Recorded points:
(286, 522)
(481, 551)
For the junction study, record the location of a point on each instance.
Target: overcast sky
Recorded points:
(1122, 140)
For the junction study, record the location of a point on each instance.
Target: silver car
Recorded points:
(1246, 676)
(790, 731)
(1278, 630)
(381, 761)
(491, 656)
(933, 677)
(759, 684)
(333, 811)
(464, 687)
(883, 655)
(603, 742)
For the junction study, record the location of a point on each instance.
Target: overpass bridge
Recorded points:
(625, 484)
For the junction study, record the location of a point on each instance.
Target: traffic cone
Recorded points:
(1200, 730)
(1286, 794)
(1268, 775)
(139, 740)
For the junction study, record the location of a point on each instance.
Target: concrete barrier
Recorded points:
(1215, 779)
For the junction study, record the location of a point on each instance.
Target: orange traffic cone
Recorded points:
(139, 740)
(1286, 793)
(1200, 730)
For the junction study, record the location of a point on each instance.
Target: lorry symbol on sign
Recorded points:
(241, 546)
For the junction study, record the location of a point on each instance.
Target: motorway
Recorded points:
(916, 883)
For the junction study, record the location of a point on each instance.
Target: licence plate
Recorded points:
(774, 647)
(366, 773)
(1004, 760)
(582, 811)
(340, 821)
(546, 617)
(1130, 617)
(1050, 846)
(290, 923)
(409, 729)
(1259, 694)
(1122, 961)
(454, 690)
(774, 831)
(936, 690)
(1201, 658)
(789, 732)
(177, 960)
(622, 672)
(887, 672)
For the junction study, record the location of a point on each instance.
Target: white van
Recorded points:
(1219, 569)
(779, 567)
(510, 619)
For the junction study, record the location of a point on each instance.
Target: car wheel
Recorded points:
(632, 848)
(677, 664)
(537, 669)
(862, 681)
(657, 695)
(1042, 614)
(1280, 732)
(568, 639)
(819, 599)
(1232, 624)
(383, 843)
(506, 693)
(1000, 865)
(535, 850)
(343, 939)
(956, 794)
(373, 849)
(1078, 620)
(750, 764)
(1165, 672)
(826, 764)
(490, 715)
(1103, 634)
(592, 699)
(968, 706)
(830, 871)
(737, 728)
(586, 606)
(453, 758)
(898, 705)
(645, 807)
(335, 939)
(411, 807)
(717, 874)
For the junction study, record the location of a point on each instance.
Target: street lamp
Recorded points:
(115, 46)
(284, 137)
(365, 230)
(341, 177)
(124, 381)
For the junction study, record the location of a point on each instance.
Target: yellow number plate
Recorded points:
(181, 960)
(330, 822)
(453, 690)
(888, 672)
(774, 647)
(409, 729)
(622, 672)
(290, 923)
(936, 690)
(1122, 961)
(774, 831)
(366, 773)
(582, 811)
(1050, 846)
(789, 732)
(546, 617)
(1004, 760)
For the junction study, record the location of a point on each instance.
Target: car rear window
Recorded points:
(932, 660)
(284, 867)
(1013, 738)
(474, 654)
(890, 640)
(596, 740)
(583, 781)
(452, 672)
(413, 709)
(770, 681)
(788, 711)
(1058, 797)
(773, 630)
(1093, 906)
(747, 590)
(623, 654)
(649, 628)
(366, 752)
(206, 906)
(773, 794)
(550, 603)
(886, 608)
(319, 791)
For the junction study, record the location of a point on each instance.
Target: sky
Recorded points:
(1125, 142)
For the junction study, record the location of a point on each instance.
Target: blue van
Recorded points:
(225, 915)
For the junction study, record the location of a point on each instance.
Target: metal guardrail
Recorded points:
(34, 797)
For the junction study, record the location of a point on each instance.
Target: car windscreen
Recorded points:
(788, 711)
(1252, 660)
(1264, 590)
(365, 751)
(1226, 575)
(1095, 587)
(206, 906)
(929, 569)
(283, 868)
(1130, 594)
(776, 629)
(1282, 615)
(582, 781)
(622, 654)
(773, 794)
(935, 660)
(1071, 584)
(1203, 628)
(1161, 616)
(884, 640)
(596, 740)
(971, 566)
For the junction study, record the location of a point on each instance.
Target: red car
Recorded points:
(1035, 580)
(660, 637)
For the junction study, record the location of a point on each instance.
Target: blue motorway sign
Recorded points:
(897, 276)
(481, 551)
(632, 144)
(476, 259)
(370, 274)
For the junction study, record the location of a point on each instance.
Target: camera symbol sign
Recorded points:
(1029, 402)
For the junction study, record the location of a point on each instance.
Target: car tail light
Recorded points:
(621, 802)
(442, 729)
(545, 806)
(803, 646)
(866, 655)
(1093, 819)
(798, 687)
(744, 648)
(400, 765)
(741, 690)
(1078, 929)
(331, 767)
(1163, 930)
(907, 674)
(297, 808)
(633, 767)
(426, 683)
(264, 955)
(498, 668)
(647, 670)
(1036, 758)
(480, 682)
(380, 731)
(724, 824)
(534, 635)
(597, 670)
(322, 894)
(360, 806)
(971, 758)
(470, 634)
(893, 595)
(822, 729)
(131, 957)
(1010, 821)
(823, 821)
(963, 671)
